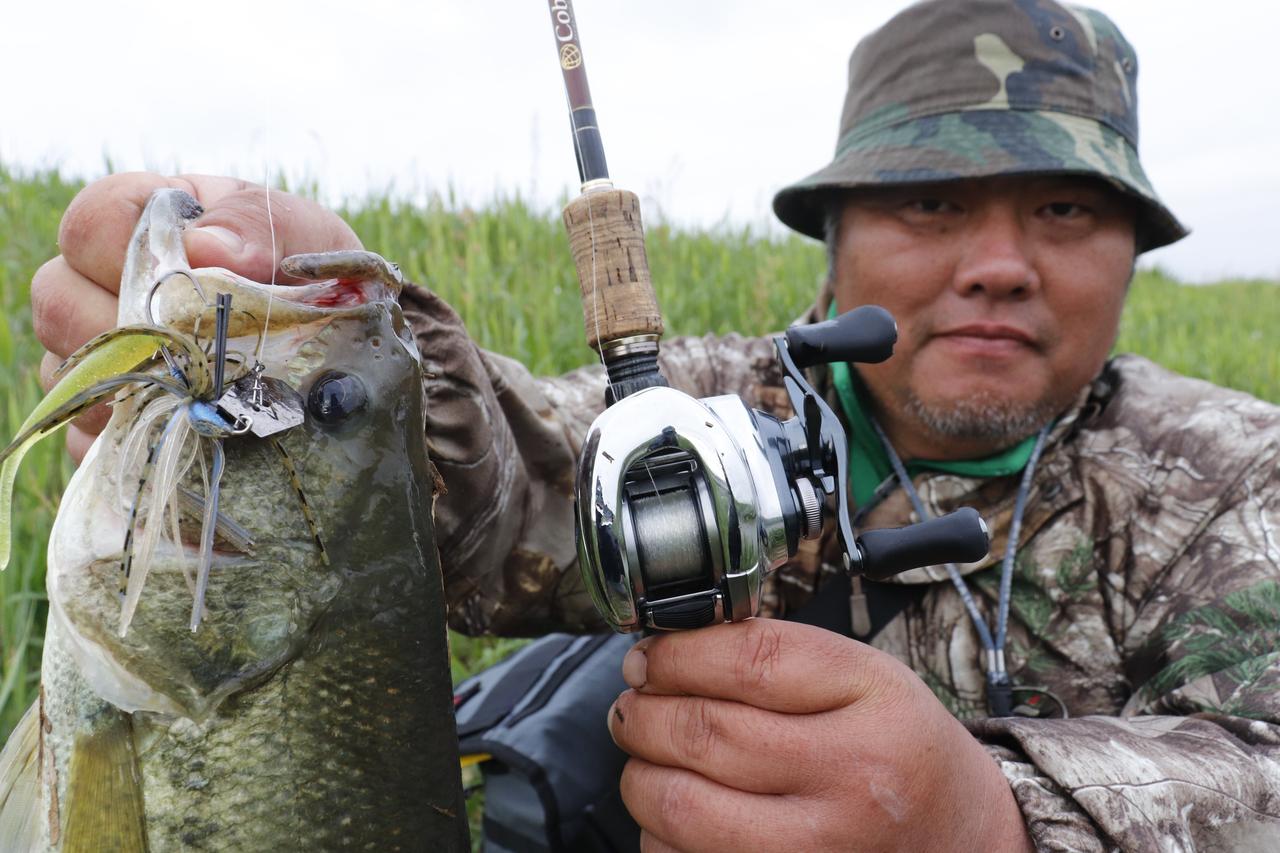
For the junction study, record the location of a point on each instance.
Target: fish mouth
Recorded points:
(338, 283)
(343, 279)
(160, 288)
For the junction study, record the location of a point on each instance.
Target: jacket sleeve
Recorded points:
(506, 445)
(1193, 761)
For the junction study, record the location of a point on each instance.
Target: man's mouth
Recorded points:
(988, 339)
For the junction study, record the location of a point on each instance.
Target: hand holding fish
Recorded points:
(74, 296)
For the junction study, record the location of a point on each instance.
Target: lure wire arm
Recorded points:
(223, 310)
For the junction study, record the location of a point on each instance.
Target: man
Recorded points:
(986, 189)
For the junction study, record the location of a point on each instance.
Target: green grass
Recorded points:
(507, 270)
(29, 214)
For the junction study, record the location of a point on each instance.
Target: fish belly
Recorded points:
(349, 747)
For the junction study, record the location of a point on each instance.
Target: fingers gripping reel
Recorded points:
(685, 505)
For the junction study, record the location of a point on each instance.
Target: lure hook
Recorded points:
(151, 317)
(151, 294)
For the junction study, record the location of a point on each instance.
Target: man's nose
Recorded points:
(997, 261)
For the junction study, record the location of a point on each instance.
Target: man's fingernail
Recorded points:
(615, 717)
(634, 667)
(232, 241)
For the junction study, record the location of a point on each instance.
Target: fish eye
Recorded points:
(335, 397)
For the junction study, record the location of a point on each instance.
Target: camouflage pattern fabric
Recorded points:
(506, 446)
(949, 90)
(1147, 590)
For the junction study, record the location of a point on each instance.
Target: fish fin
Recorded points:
(20, 784)
(104, 791)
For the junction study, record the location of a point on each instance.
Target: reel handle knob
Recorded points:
(866, 334)
(957, 537)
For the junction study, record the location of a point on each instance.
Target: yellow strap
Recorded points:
(474, 758)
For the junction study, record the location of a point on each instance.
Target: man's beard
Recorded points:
(983, 418)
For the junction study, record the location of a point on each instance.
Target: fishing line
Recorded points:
(255, 390)
(271, 226)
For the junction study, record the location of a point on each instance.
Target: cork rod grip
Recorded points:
(607, 240)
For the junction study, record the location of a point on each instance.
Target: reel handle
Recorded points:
(957, 537)
(866, 334)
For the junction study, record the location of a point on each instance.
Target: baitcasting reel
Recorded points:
(685, 505)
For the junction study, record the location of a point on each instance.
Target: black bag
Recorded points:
(552, 782)
(551, 785)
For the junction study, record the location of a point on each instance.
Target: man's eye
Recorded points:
(929, 206)
(1065, 209)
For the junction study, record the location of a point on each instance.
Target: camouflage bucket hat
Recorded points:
(948, 90)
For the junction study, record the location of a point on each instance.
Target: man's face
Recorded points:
(1007, 293)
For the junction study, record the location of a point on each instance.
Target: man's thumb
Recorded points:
(212, 241)
(240, 233)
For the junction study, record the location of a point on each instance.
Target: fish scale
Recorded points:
(307, 756)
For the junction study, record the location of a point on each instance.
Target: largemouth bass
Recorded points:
(246, 645)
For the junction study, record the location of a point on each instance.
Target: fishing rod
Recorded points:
(606, 236)
(684, 505)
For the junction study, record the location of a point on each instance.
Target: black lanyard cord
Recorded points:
(999, 685)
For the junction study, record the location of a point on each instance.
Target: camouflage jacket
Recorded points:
(1146, 593)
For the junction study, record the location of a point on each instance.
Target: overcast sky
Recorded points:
(706, 107)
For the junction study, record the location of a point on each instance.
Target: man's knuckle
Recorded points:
(696, 730)
(657, 797)
(875, 678)
(103, 199)
(51, 310)
(759, 656)
(75, 225)
(48, 364)
(93, 421)
(676, 801)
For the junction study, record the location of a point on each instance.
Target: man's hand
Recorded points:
(73, 296)
(770, 735)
